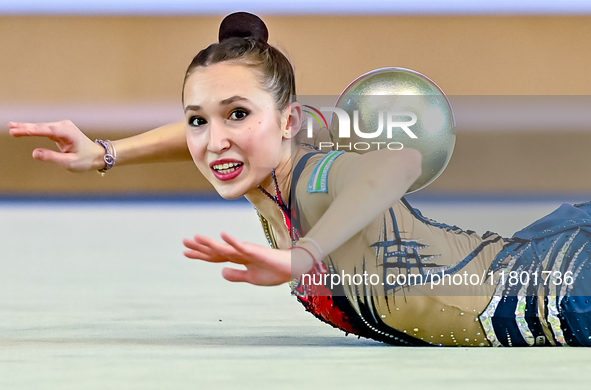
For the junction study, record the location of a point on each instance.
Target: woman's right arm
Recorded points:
(78, 153)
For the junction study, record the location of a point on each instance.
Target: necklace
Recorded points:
(278, 199)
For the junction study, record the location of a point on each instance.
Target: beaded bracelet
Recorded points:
(110, 155)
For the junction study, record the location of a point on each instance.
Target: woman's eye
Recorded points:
(196, 121)
(238, 114)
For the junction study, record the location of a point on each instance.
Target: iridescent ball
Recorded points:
(397, 108)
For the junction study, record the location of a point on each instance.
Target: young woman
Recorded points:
(359, 256)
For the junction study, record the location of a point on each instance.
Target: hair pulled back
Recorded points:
(243, 38)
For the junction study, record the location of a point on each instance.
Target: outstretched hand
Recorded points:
(77, 153)
(264, 266)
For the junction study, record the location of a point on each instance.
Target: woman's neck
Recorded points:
(266, 206)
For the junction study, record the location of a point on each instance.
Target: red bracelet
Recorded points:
(310, 253)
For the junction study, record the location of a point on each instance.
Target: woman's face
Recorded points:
(234, 131)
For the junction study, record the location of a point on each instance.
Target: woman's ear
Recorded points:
(294, 120)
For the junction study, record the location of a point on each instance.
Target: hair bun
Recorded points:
(243, 25)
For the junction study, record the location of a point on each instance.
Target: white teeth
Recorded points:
(226, 167)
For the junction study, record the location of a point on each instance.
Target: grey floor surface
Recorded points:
(99, 296)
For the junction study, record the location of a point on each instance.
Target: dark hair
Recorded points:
(243, 38)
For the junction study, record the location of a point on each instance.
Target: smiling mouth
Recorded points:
(226, 168)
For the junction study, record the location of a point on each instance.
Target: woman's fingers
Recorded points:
(196, 255)
(28, 129)
(47, 155)
(197, 250)
(193, 255)
(236, 275)
(204, 240)
(234, 242)
(264, 266)
(77, 152)
(207, 249)
(49, 130)
(65, 134)
(191, 244)
(228, 248)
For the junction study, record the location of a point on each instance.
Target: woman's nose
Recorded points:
(219, 138)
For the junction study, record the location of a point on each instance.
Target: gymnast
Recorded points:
(242, 122)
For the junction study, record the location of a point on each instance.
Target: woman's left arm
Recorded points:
(366, 186)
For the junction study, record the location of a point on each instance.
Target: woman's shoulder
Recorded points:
(315, 172)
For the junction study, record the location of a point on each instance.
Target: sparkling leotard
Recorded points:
(407, 311)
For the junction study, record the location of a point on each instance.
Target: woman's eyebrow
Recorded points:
(227, 101)
(192, 108)
(232, 100)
